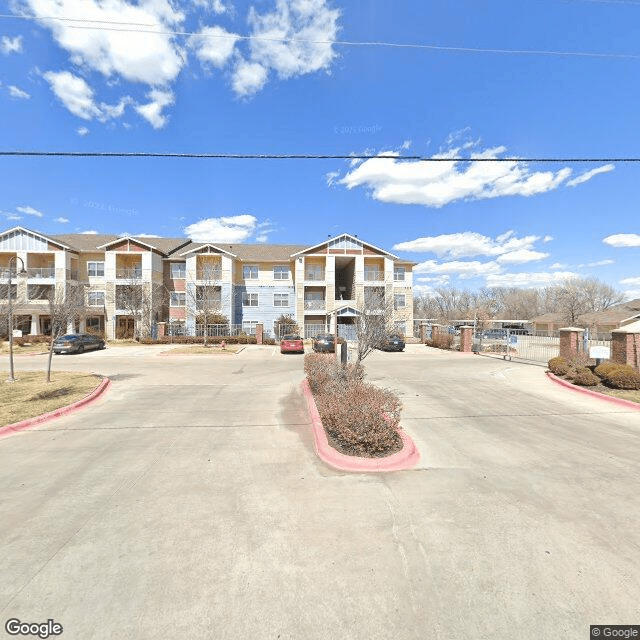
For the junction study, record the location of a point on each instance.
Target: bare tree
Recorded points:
(284, 325)
(142, 302)
(204, 296)
(65, 305)
(577, 296)
(375, 321)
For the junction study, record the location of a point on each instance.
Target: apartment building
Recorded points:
(177, 282)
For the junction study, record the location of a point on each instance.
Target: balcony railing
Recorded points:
(4, 273)
(129, 274)
(314, 275)
(41, 272)
(209, 274)
(208, 305)
(374, 276)
(315, 304)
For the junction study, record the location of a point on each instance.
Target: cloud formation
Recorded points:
(30, 211)
(442, 181)
(587, 175)
(528, 279)
(16, 92)
(152, 110)
(225, 229)
(214, 46)
(11, 45)
(623, 240)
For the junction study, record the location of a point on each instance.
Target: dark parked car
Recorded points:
(495, 334)
(394, 342)
(77, 343)
(324, 342)
(291, 343)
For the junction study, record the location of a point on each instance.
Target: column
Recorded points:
(571, 343)
(35, 324)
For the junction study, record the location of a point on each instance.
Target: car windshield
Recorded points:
(291, 338)
(69, 337)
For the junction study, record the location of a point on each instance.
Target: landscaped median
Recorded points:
(355, 424)
(31, 401)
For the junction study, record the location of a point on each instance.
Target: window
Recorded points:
(398, 273)
(250, 272)
(178, 299)
(399, 300)
(314, 272)
(372, 272)
(178, 270)
(280, 299)
(281, 272)
(249, 327)
(249, 299)
(95, 298)
(95, 269)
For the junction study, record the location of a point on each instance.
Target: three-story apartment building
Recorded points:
(179, 282)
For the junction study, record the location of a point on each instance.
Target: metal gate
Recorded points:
(348, 332)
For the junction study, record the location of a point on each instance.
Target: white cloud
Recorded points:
(436, 184)
(148, 58)
(89, 233)
(249, 78)
(598, 263)
(331, 177)
(587, 175)
(522, 256)
(623, 240)
(13, 216)
(78, 97)
(224, 229)
(11, 45)
(632, 294)
(463, 269)
(215, 6)
(82, 131)
(61, 220)
(152, 111)
(308, 26)
(528, 279)
(558, 265)
(16, 92)
(468, 244)
(632, 281)
(214, 46)
(30, 211)
(547, 239)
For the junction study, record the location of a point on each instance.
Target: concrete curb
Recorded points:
(619, 401)
(168, 354)
(406, 458)
(62, 411)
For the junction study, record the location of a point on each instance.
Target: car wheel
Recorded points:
(80, 349)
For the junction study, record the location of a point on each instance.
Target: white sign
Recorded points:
(600, 353)
(17, 333)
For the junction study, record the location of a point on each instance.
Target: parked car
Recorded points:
(291, 343)
(393, 342)
(325, 343)
(495, 334)
(77, 343)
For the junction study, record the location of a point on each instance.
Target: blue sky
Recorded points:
(264, 77)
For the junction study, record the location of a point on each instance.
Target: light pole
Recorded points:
(13, 259)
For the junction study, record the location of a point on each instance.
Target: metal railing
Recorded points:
(129, 274)
(41, 272)
(314, 276)
(214, 330)
(312, 330)
(4, 273)
(315, 305)
(209, 274)
(212, 305)
(374, 276)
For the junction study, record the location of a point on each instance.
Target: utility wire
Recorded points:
(295, 156)
(90, 24)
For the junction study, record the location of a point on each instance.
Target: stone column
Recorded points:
(625, 347)
(436, 329)
(35, 324)
(423, 332)
(466, 339)
(259, 332)
(71, 327)
(571, 343)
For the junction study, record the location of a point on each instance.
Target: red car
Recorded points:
(291, 343)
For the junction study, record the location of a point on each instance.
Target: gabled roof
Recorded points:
(129, 238)
(51, 239)
(196, 246)
(350, 237)
(97, 241)
(625, 311)
(265, 252)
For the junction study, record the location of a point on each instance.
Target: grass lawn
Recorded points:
(213, 350)
(31, 396)
(633, 396)
(18, 350)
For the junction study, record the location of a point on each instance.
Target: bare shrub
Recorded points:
(602, 370)
(558, 366)
(585, 378)
(623, 377)
(441, 341)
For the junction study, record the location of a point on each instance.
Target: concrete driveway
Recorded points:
(188, 503)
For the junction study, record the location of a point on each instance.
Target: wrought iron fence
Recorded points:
(129, 274)
(313, 329)
(315, 305)
(41, 272)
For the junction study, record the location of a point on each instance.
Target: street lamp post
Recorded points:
(13, 259)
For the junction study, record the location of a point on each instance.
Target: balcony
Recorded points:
(315, 305)
(212, 305)
(5, 271)
(129, 274)
(314, 276)
(48, 273)
(374, 276)
(72, 275)
(208, 274)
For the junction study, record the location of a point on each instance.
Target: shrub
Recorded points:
(585, 378)
(361, 417)
(241, 339)
(602, 370)
(441, 341)
(623, 377)
(558, 366)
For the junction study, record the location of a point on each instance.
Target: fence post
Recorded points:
(161, 329)
(466, 339)
(423, 332)
(259, 332)
(571, 342)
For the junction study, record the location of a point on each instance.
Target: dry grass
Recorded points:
(213, 350)
(18, 350)
(31, 396)
(633, 396)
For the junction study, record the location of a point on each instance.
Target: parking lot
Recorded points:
(189, 502)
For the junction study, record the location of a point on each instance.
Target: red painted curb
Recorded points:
(406, 458)
(62, 411)
(619, 401)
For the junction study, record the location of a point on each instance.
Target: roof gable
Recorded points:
(200, 248)
(22, 239)
(345, 243)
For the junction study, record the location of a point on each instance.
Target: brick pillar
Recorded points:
(259, 332)
(423, 332)
(162, 329)
(466, 339)
(625, 347)
(571, 343)
(435, 330)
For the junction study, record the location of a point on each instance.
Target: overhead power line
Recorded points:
(82, 23)
(296, 156)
